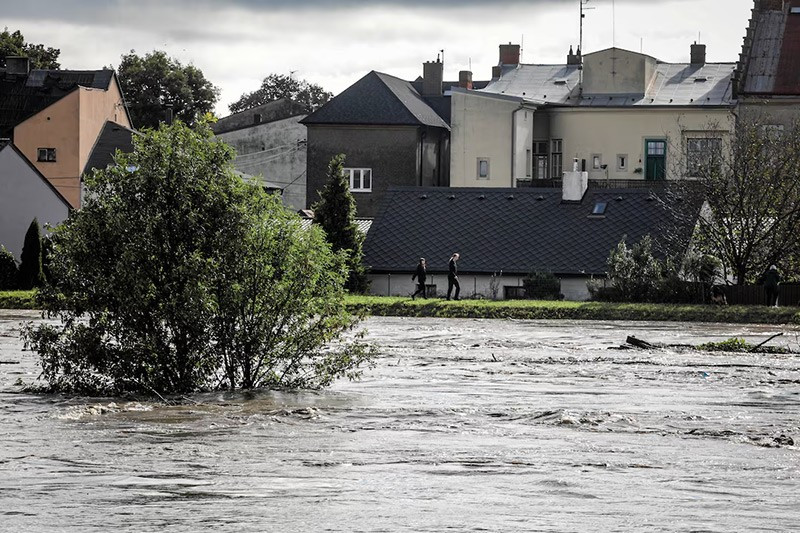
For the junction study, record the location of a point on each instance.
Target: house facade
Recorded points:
(270, 144)
(25, 194)
(391, 135)
(54, 118)
(624, 116)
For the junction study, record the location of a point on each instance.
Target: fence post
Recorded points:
(389, 284)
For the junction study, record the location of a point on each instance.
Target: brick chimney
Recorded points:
(465, 79)
(509, 54)
(18, 65)
(698, 54)
(432, 77)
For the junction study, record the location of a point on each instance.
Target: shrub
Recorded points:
(175, 276)
(542, 286)
(9, 274)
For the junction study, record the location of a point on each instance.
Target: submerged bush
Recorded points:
(175, 277)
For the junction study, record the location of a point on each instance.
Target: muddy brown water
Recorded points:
(462, 425)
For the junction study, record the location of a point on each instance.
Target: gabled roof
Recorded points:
(378, 99)
(10, 146)
(771, 51)
(112, 137)
(514, 230)
(270, 112)
(23, 96)
(674, 84)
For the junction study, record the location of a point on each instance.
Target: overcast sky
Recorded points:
(236, 43)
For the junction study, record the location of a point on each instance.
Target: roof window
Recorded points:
(599, 208)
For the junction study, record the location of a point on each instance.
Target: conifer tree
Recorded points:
(335, 213)
(30, 268)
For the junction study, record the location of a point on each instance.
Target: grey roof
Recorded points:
(378, 99)
(514, 230)
(270, 112)
(674, 84)
(112, 137)
(770, 53)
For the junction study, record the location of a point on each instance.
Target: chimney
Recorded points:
(573, 58)
(465, 79)
(432, 77)
(509, 54)
(18, 65)
(574, 184)
(496, 72)
(698, 54)
(770, 5)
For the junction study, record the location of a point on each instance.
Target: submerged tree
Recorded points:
(276, 86)
(175, 276)
(335, 213)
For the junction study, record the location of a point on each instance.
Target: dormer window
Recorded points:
(47, 155)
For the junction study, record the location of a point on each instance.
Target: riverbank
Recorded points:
(547, 310)
(530, 310)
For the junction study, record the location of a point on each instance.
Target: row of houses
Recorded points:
(539, 167)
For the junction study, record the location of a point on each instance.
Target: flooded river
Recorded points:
(462, 425)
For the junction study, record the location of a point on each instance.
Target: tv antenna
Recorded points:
(580, 40)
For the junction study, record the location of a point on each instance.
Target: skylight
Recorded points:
(599, 208)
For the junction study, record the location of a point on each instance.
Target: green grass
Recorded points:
(538, 310)
(17, 299)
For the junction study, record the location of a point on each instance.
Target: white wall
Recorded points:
(488, 126)
(402, 285)
(24, 195)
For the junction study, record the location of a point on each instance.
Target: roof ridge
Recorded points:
(399, 100)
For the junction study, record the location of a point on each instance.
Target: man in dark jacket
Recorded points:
(420, 275)
(452, 277)
(771, 280)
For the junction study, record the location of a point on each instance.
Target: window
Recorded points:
(528, 164)
(360, 179)
(622, 162)
(483, 168)
(557, 161)
(46, 154)
(599, 208)
(597, 161)
(540, 157)
(700, 153)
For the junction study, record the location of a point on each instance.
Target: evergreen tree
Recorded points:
(30, 268)
(8, 270)
(335, 213)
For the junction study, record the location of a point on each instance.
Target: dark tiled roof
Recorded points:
(113, 137)
(514, 230)
(270, 112)
(24, 96)
(378, 99)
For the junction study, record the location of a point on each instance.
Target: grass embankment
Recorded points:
(17, 299)
(529, 309)
(539, 310)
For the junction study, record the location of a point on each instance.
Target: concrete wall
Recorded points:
(392, 152)
(24, 195)
(400, 284)
(488, 127)
(274, 151)
(773, 111)
(611, 132)
(71, 126)
(616, 71)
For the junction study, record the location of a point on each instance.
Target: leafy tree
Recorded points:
(9, 275)
(30, 267)
(13, 44)
(277, 86)
(753, 192)
(151, 82)
(335, 213)
(177, 276)
(542, 286)
(634, 271)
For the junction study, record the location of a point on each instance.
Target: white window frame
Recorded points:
(557, 158)
(355, 176)
(622, 162)
(597, 162)
(696, 157)
(488, 174)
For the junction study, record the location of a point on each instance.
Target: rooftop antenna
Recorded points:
(522, 47)
(580, 41)
(614, 23)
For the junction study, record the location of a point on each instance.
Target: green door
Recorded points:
(655, 160)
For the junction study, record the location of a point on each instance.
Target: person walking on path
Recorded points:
(420, 275)
(452, 277)
(771, 280)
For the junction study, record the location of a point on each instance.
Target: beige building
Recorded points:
(56, 117)
(625, 117)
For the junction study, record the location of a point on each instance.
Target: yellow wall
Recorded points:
(71, 126)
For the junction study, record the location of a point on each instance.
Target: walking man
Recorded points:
(452, 277)
(420, 275)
